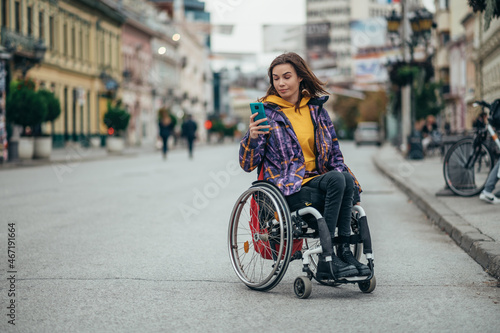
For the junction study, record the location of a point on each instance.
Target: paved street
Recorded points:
(136, 243)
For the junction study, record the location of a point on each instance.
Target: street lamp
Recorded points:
(393, 23)
(421, 22)
(39, 51)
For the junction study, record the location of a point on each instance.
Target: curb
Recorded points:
(72, 159)
(482, 248)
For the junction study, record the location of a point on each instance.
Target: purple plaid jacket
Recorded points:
(280, 155)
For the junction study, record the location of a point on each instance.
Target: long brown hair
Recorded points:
(310, 86)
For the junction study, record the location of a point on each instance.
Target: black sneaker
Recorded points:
(340, 269)
(335, 269)
(345, 254)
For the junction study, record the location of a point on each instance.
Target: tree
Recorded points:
(53, 105)
(491, 9)
(373, 106)
(347, 109)
(116, 119)
(25, 107)
(426, 100)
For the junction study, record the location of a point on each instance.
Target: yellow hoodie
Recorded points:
(302, 126)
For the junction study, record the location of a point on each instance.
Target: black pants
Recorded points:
(339, 190)
(190, 145)
(164, 138)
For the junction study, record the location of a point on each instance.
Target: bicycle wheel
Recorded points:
(466, 169)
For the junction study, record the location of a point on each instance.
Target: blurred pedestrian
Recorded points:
(166, 126)
(430, 133)
(189, 128)
(486, 194)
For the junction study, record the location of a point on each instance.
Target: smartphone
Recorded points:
(259, 108)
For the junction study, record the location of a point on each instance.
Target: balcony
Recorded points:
(443, 21)
(442, 58)
(20, 44)
(26, 51)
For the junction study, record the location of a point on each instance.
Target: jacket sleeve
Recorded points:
(251, 151)
(337, 162)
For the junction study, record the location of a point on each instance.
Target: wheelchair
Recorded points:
(264, 236)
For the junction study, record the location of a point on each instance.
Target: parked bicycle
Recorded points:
(469, 161)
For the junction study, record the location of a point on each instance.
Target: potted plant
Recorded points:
(28, 109)
(116, 119)
(43, 143)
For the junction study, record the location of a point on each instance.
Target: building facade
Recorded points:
(82, 63)
(137, 87)
(193, 93)
(488, 60)
(339, 14)
(467, 61)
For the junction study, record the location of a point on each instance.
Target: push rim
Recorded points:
(250, 267)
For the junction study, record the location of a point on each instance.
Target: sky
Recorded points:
(248, 16)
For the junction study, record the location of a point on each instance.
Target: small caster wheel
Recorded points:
(302, 287)
(368, 286)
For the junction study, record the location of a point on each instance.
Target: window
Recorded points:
(73, 42)
(101, 60)
(29, 18)
(65, 39)
(4, 13)
(41, 24)
(110, 42)
(17, 13)
(443, 4)
(445, 38)
(87, 46)
(51, 33)
(81, 44)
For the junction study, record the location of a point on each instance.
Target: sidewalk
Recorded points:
(75, 154)
(473, 224)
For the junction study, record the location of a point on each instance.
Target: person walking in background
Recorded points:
(189, 128)
(487, 194)
(166, 126)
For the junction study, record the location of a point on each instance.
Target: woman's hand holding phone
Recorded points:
(258, 121)
(256, 128)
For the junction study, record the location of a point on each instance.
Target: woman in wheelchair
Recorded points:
(298, 149)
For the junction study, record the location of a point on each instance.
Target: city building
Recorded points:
(193, 93)
(471, 27)
(82, 63)
(136, 91)
(337, 16)
(456, 62)
(488, 60)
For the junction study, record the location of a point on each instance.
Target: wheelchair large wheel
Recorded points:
(260, 237)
